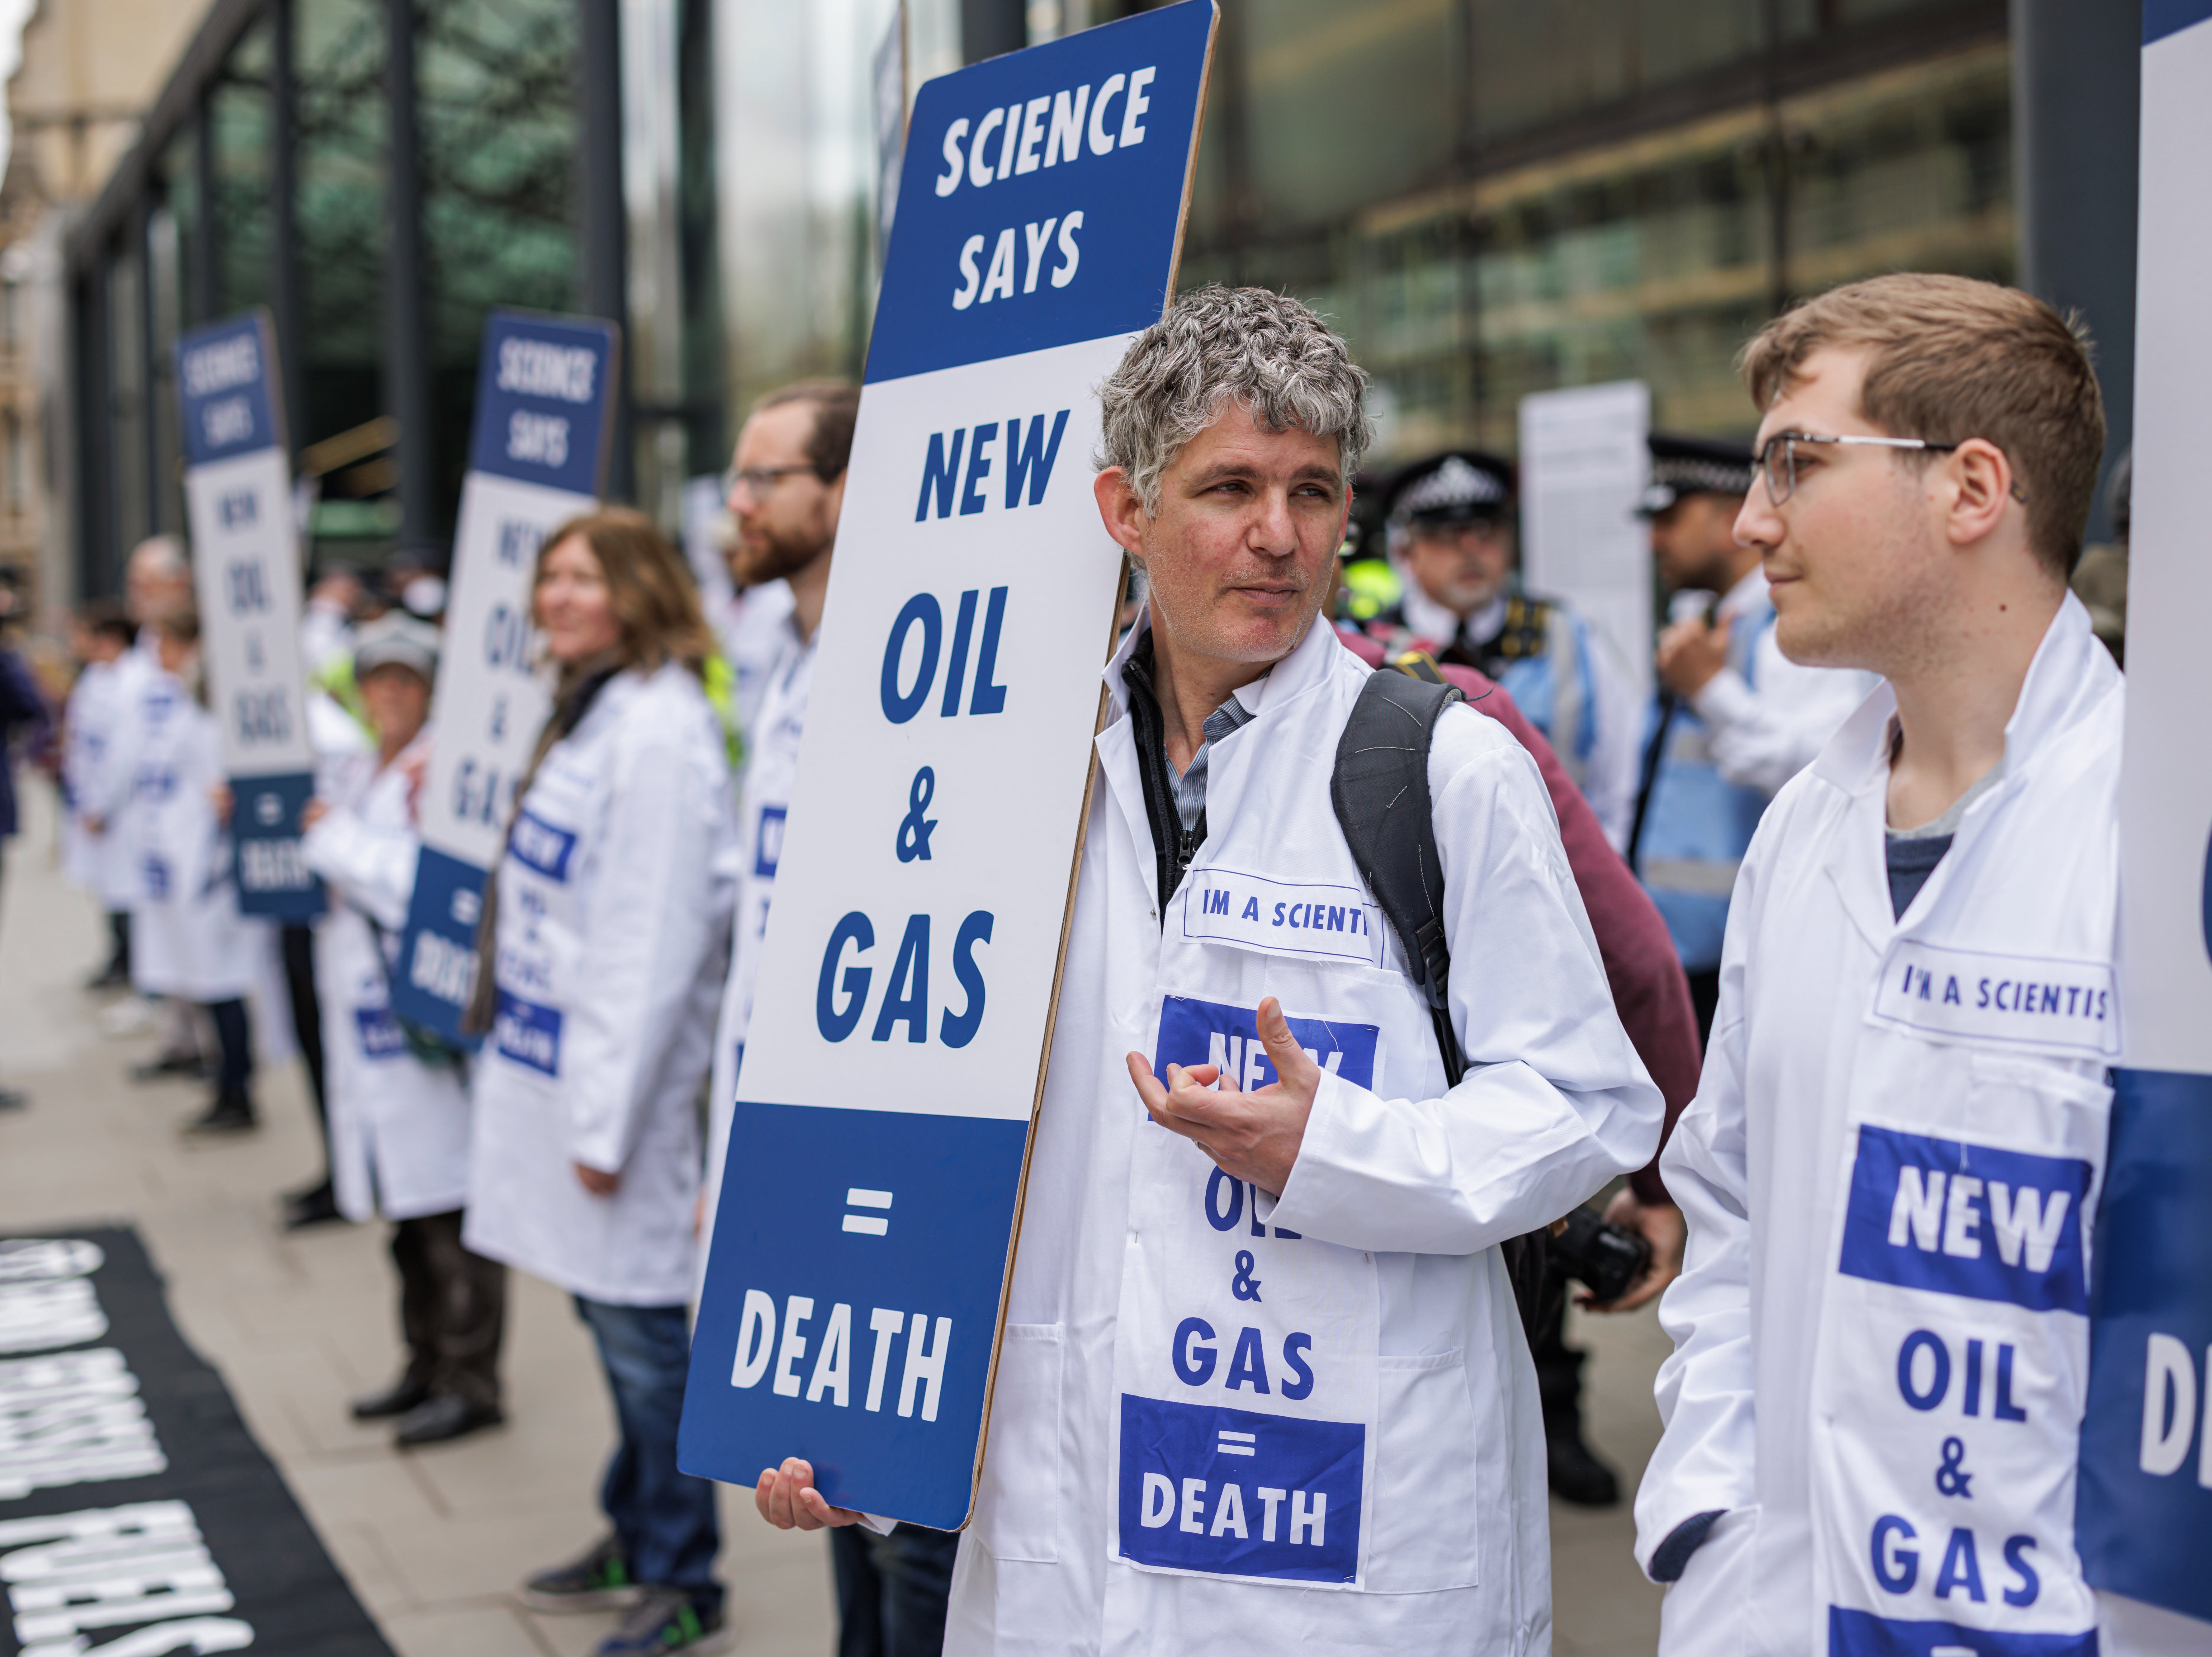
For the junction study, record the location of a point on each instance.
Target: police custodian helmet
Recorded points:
(1683, 466)
(1461, 486)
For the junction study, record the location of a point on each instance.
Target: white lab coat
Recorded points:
(771, 768)
(187, 937)
(399, 1128)
(612, 920)
(1763, 728)
(1399, 1200)
(111, 779)
(1803, 1395)
(89, 725)
(756, 635)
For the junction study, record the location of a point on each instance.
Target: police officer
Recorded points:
(1451, 534)
(1406, 1422)
(1734, 718)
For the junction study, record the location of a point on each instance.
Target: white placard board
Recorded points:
(1585, 463)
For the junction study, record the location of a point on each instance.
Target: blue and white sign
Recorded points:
(853, 1290)
(245, 565)
(536, 457)
(2146, 1474)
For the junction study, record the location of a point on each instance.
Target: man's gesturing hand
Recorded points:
(786, 1498)
(1249, 1135)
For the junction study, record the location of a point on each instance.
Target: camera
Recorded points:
(1604, 1258)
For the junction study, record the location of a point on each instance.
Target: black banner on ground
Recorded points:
(136, 1512)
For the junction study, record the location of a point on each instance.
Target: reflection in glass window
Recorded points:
(794, 171)
(239, 119)
(496, 80)
(344, 127)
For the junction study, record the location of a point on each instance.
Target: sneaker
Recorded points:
(600, 1579)
(664, 1623)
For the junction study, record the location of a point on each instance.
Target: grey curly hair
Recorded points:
(1264, 351)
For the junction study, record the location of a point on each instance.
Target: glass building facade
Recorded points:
(1491, 197)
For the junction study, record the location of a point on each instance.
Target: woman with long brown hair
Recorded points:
(601, 950)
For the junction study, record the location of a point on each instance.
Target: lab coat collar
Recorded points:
(1309, 664)
(2068, 675)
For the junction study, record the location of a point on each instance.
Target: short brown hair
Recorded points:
(647, 587)
(1951, 358)
(836, 409)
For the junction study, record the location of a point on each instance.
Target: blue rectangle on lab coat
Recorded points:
(1236, 1493)
(1194, 1032)
(1087, 243)
(1966, 1219)
(1861, 1634)
(796, 1375)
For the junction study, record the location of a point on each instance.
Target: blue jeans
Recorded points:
(664, 1518)
(891, 1590)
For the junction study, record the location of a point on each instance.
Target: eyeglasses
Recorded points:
(1778, 456)
(757, 480)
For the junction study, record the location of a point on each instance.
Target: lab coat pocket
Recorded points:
(1423, 1525)
(1017, 1509)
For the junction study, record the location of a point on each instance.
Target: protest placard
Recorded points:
(1583, 466)
(871, 1197)
(538, 457)
(245, 568)
(2145, 1477)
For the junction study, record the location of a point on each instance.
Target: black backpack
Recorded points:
(1381, 793)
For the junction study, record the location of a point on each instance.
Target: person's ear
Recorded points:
(1121, 511)
(1980, 485)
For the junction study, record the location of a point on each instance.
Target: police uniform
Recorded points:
(1714, 760)
(1539, 649)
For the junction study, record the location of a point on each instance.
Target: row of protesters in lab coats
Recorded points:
(399, 1094)
(1734, 718)
(189, 942)
(1890, 1173)
(1451, 538)
(603, 942)
(122, 707)
(1231, 429)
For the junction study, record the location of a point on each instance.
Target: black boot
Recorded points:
(1577, 1475)
(442, 1416)
(397, 1399)
(317, 1205)
(228, 1114)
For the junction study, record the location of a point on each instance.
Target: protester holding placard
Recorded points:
(1237, 1259)
(602, 943)
(1881, 1330)
(1450, 520)
(188, 942)
(399, 1105)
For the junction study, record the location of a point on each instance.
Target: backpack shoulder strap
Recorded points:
(1380, 789)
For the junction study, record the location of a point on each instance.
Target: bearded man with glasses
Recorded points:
(1889, 1172)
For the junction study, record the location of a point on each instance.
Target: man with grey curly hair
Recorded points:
(1261, 1337)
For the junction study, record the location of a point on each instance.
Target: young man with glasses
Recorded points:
(1890, 1169)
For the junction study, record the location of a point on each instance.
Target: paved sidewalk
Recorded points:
(434, 1541)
